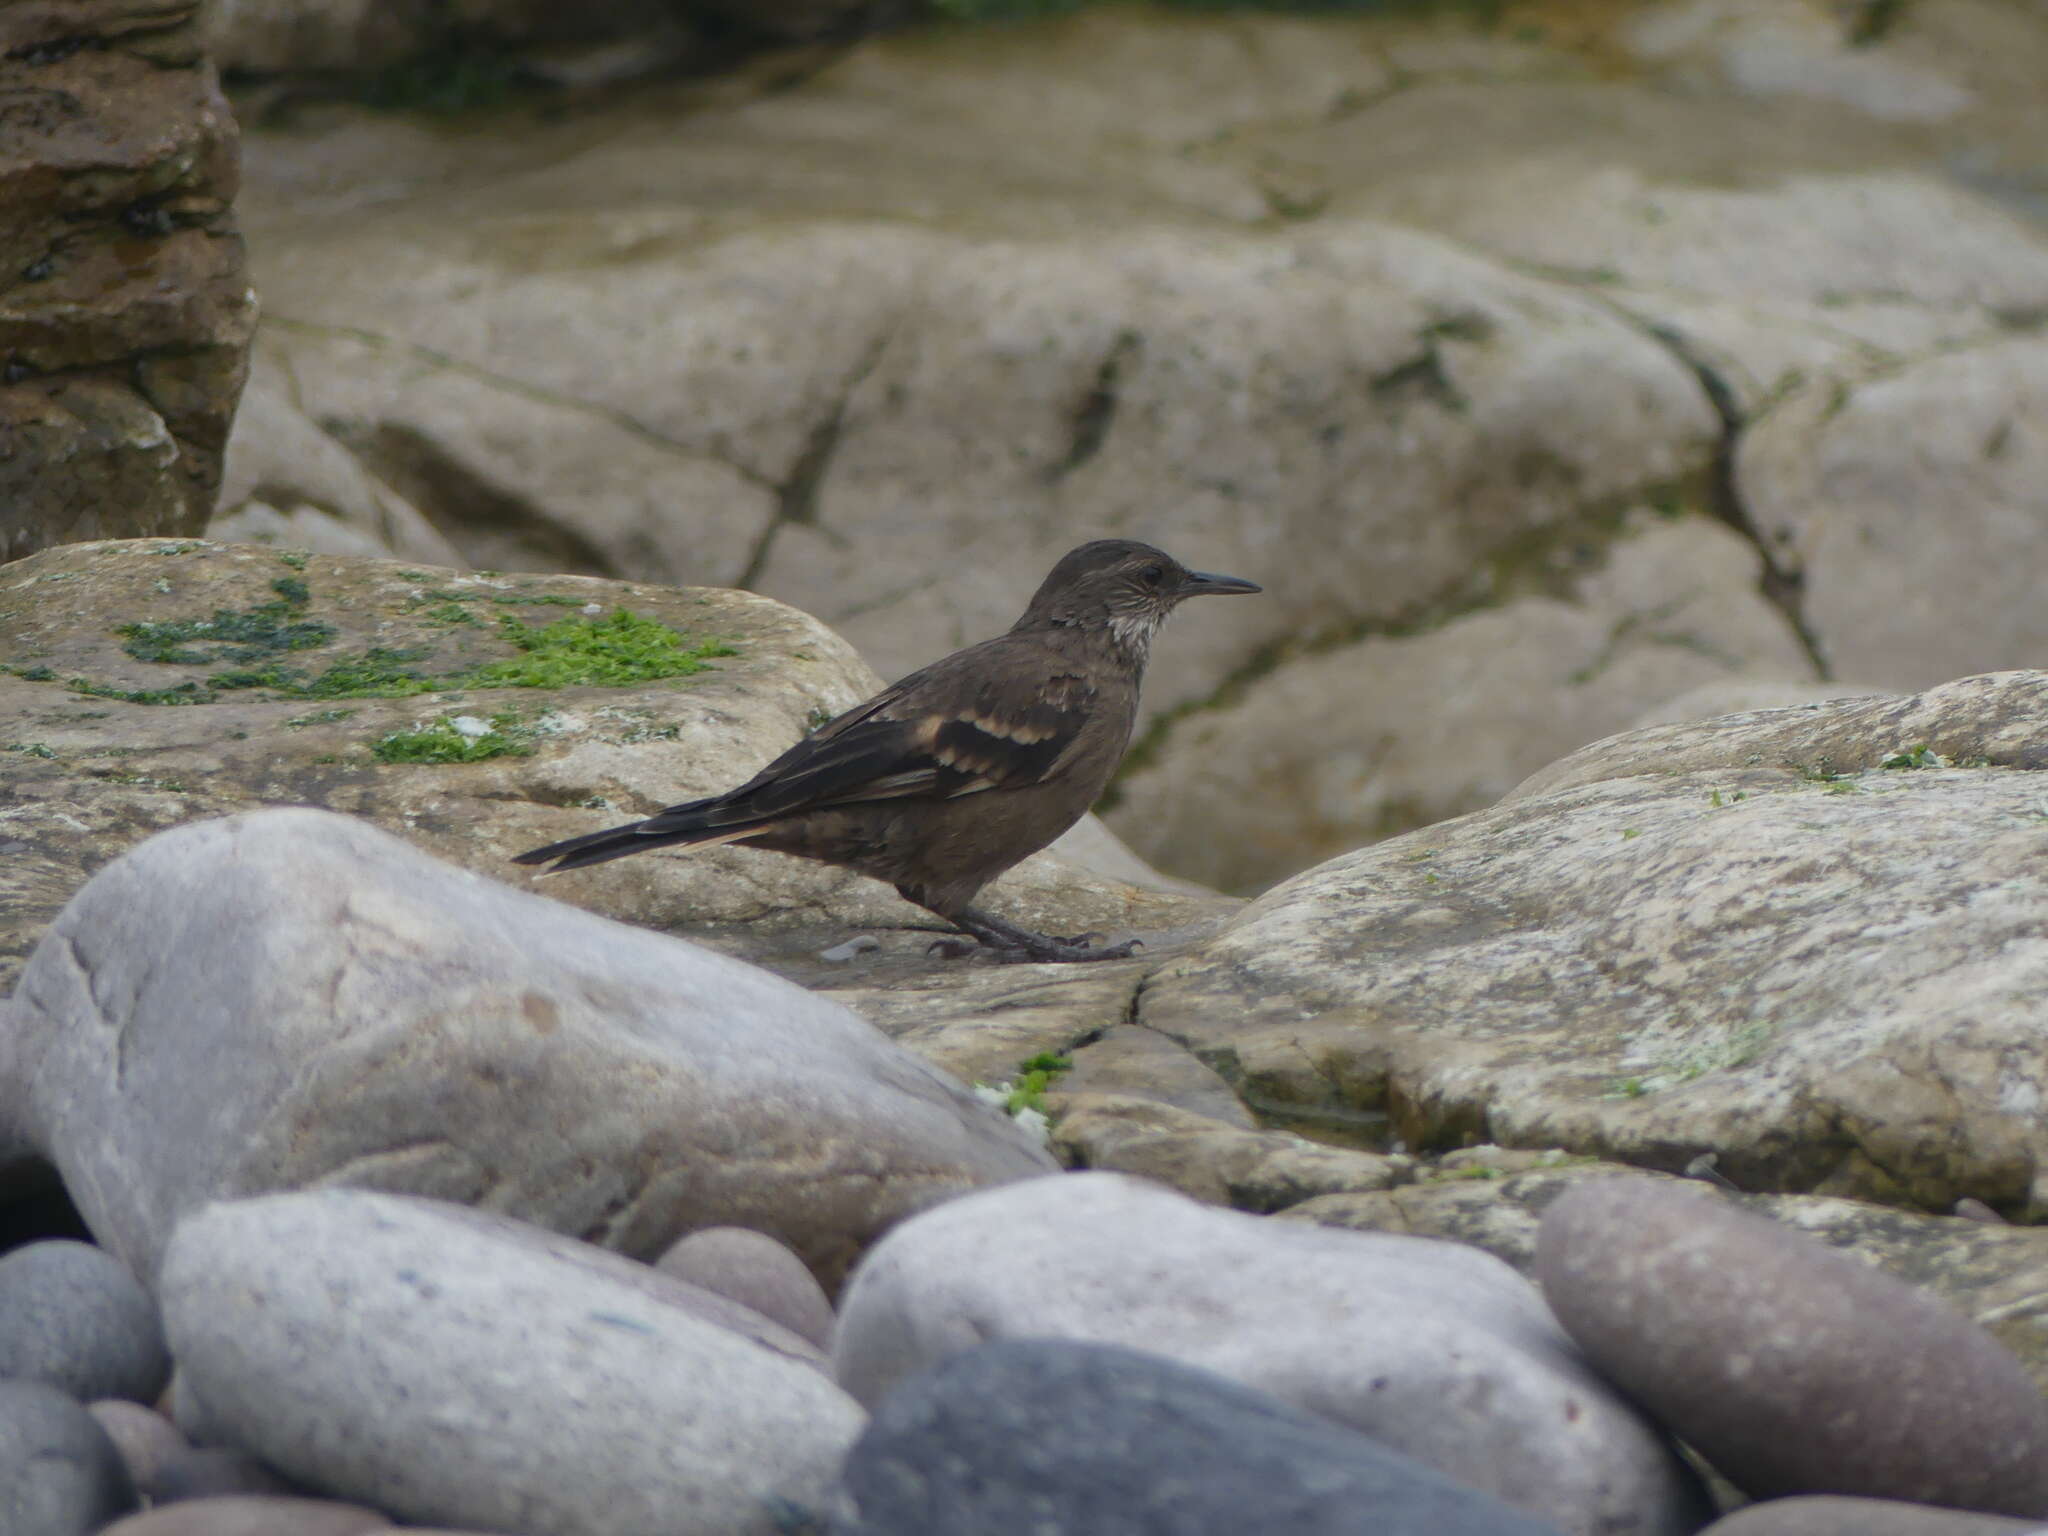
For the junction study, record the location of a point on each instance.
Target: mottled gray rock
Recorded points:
(73, 1316)
(756, 1271)
(417, 1357)
(1745, 694)
(1746, 937)
(1842, 478)
(1826, 1516)
(287, 483)
(1042, 1437)
(1994, 721)
(1399, 1338)
(146, 1440)
(1343, 746)
(1211, 1160)
(59, 1473)
(215, 1472)
(251, 1515)
(1145, 1064)
(1791, 1369)
(417, 1028)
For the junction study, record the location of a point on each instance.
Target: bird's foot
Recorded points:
(1007, 944)
(1044, 949)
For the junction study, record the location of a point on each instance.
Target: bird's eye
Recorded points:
(1152, 575)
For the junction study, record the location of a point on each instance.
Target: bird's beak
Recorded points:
(1209, 584)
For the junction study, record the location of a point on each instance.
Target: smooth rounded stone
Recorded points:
(756, 1271)
(1437, 1350)
(189, 1414)
(59, 1473)
(248, 1515)
(456, 1368)
(1043, 1437)
(1823, 1515)
(73, 1316)
(146, 1439)
(418, 1028)
(1791, 1368)
(214, 1472)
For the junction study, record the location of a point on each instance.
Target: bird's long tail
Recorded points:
(685, 826)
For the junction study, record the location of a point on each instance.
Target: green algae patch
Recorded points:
(618, 649)
(457, 739)
(238, 635)
(277, 649)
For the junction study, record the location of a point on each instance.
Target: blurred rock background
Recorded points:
(1557, 365)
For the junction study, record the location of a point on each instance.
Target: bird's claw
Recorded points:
(1064, 951)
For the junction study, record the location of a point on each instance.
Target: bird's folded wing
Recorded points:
(909, 743)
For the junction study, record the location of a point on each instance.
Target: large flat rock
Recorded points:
(1773, 948)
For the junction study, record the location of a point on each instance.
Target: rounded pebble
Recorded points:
(216, 1472)
(756, 1271)
(1792, 1368)
(250, 1516)
(72, 1316)
(1044, 1437)
(1826, 1516)
(59, 1473)
(146, 1440)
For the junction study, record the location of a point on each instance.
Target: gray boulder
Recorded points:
(425, 1359)
(59, 1473)
(756, 1271)
(1439, 1351)
(73, 1316)
(1804, 940)
(289, 998)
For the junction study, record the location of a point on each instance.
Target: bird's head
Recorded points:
(1123, 587)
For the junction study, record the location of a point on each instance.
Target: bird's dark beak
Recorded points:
(1209, 584)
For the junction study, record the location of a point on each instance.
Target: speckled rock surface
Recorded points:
(1746, 937)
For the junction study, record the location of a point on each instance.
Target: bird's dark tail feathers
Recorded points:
(679, 826)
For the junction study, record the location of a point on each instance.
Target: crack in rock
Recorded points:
(1781, 585)
(1096, 413)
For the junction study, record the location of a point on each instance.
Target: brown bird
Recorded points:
(944, 780)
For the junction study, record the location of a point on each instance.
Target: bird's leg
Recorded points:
(1009, 942)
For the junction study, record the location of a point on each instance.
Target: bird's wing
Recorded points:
(959, 727)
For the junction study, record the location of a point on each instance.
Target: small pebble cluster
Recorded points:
(1085, 1353)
